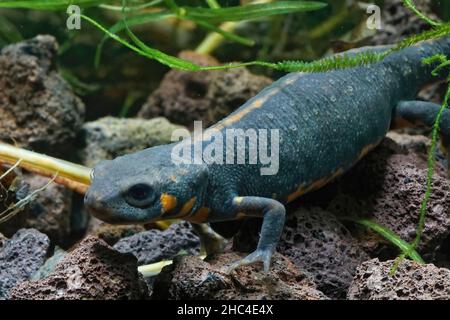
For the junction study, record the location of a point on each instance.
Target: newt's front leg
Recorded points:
(273, 213)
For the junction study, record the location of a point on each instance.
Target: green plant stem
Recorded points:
(213, 4)
(390, 236)
(431, 166)
(130, 9)
(410, 5)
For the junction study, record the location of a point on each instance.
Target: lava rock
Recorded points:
(37, 107)
(111, 234)
(411, 281)
(108, 138)
(13, 188)
(184, 97)
(93, 270)
(316, 241)
(388, 187)
(155, 245)
(50, 211)
(3, 240)
(191, 278)
(20, 257)
(50, 264)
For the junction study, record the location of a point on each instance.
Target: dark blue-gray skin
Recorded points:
(327, 122)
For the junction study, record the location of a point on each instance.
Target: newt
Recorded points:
(327, 122)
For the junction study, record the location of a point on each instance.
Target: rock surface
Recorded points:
(154, 245)
(191, 278)
(13, 188)
(316, 241)
(20, 257)
(50, 264)
(111, 234)
(50, 212)
(388, 187)
(411, 281)
(208, 96)
(37, 107)
(108, 138)
(93, 270)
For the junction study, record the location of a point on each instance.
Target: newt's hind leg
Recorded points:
(421, 113)
(210, 241)
(273, 213)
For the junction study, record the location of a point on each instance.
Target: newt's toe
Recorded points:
(259, 255)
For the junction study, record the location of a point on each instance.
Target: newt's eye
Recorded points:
(140, 195)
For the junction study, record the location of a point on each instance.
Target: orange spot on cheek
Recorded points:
(168, 202)
(186, 208)
(199, 216)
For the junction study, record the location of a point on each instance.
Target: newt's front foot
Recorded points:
(259, 255)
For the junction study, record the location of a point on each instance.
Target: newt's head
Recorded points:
(145, 186)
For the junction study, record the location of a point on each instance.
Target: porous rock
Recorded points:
(109, 137)
(411, 281)
(13, 188)
(20, 257)
(316, 241)
(155, 245)
(206, 95)
(37, 107)
(388, 186)
(191, 278)
(93, 270)
(50, 264)
(50, 211)
(111, 234)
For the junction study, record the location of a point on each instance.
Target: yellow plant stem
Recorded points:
(74, 176)
(153, 269)
(213, 40)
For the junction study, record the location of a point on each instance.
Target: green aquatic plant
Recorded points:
(389, 235)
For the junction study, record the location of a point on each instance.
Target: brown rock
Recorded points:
(191, 278)
(113, 233)
(13, 188)
(37, 107)
(50, 212)
(207, 95)
(388, 186)
(93, 270)
(411, 281)
(316, 241)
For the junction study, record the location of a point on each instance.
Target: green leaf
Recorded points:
(132, 21)
(250, 11)
(391, 237)
(160, 56)
(49, 4)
